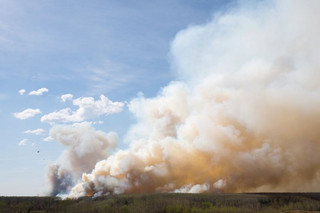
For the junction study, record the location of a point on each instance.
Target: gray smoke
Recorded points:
(85, 146)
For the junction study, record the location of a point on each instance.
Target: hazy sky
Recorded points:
(63, 62)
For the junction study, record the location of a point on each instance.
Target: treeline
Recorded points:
(166, 203)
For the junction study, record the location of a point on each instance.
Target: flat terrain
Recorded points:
(168, 203)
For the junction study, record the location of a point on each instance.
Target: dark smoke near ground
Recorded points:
(59, 179)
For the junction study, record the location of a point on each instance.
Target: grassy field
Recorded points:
(168, 203)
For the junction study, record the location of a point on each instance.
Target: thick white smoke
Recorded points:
(245, 118)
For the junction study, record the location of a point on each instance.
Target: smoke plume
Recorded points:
(244, 117)
(85, 146)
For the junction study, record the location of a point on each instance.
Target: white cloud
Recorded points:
(27, 113)
(66, 97)
(22, 91)
(39, 91)
(97, 122)
(88, 108)
(49, 138)
(23, 142)
(35, 131)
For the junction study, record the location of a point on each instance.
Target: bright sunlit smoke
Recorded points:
(245, 118)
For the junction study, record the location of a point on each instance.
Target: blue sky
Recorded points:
(84, 48)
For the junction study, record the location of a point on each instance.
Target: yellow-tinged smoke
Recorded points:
(245, 117)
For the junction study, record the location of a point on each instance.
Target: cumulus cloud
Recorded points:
(27, 113)
(66, 97)
(35, 131)
(49, 138)
(23, 142)
(243, 120)
(97, 122)
(39, 91)
(22, 91)
(85, 146)
(88, 108)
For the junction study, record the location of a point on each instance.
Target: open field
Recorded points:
(168, 203)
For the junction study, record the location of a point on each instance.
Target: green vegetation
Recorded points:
(167, 203)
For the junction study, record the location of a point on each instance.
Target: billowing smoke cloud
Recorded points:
(85, 146)
(245, 118)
